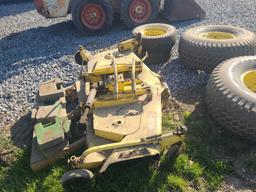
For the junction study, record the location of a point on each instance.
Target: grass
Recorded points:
(197, 169)
(188, 169)
(19, 177)
(177, 183)
(204, 143)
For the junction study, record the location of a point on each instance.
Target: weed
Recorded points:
(184, 168)
(176, 183)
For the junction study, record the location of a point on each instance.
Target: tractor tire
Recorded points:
(82, 13)
(76, 177)
(147, 11)
(158, 40)
(203, 48)
(231, 96)
(157, 37)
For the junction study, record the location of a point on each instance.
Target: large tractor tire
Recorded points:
(138, 12)
(203, 48)
(92, 16)
(231, 96)
(158, 40)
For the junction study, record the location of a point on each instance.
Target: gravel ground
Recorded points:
(34, 49)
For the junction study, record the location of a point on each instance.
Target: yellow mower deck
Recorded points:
(121, 127)
(119, 103)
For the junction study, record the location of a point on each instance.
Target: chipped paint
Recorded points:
(55, 8)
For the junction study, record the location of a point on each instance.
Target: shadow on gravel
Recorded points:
(178, 76)
(191, 95)
(15, 7)
(43, 44)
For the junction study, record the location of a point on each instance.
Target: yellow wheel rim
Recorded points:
(154, 32)
(217, 35)
(249, 80)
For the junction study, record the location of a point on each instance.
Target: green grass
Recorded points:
(19, 177)
(177, 183)
(188, 169)
(202, 145)
(197, 168)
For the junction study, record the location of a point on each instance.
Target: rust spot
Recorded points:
(136, 152)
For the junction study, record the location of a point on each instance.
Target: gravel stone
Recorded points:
(34, 49)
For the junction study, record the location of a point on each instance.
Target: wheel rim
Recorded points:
(217, 35)
(249, 80)
(93, 16)
(154, 32)
(140, 11)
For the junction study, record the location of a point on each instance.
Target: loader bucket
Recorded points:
(176, 10)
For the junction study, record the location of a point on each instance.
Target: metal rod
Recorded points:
(89, 104)
(116, 79)
(153, 140)
(133, 76)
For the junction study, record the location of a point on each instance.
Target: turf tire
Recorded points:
(205, 54)
(158, 46)
(158, 43)
(229, 101)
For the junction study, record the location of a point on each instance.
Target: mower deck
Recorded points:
(116, 115)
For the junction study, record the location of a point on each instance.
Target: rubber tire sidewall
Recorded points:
(229, 102)
(157, 58)
(74, 176)
(125, 5)
(77, 7)
(205, 54)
